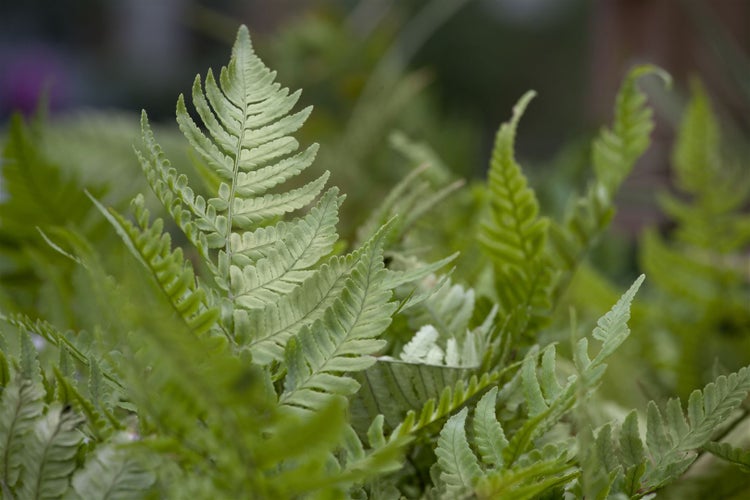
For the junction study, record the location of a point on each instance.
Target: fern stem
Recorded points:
(232, 191)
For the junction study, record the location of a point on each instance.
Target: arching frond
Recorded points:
(614, 154)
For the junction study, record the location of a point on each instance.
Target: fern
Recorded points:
(614, 154)
(111, 473)
(344, 340)
(509, 466)
(515, 235)
(21, 403)
(170, 269)
(49, 457)
(673, 438)
(732, 454)
(265, 359)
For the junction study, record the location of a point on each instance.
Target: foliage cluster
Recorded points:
(251, 352)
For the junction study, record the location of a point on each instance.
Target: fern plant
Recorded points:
(262, 359)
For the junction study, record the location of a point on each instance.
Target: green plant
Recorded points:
(264, 359)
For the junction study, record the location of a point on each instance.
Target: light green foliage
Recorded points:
(699, 269)
(614, 154)
(673, 438)
(513, 466)
(46, 445)
(737, 456)
(264, 358)
(515, 234)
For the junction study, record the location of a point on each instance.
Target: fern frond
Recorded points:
(726, 451)
(526, 482)
(714, 220)
(49, 457)
(459, 468)
(397, 389)
(63, 342)
(673, 437)
(706, 410)
(616, 150)
(614, 154)
(306, 240)
(461, 472)
(21, 404)
(488, 433)
(343, 340)
(247, 126)
(266, 331)
(101, 421)
(171, 271)
(696, 155)
(112, 473)
(514, 234)
(451, 398)
(257, 284)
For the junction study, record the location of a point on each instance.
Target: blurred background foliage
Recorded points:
(396, 85)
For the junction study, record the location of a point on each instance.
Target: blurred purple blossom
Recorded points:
(30, 72)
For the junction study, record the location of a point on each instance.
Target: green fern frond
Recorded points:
(459, 467)
(674, 437)
(488, 433)
(21, 403)
(49, 457)
(514, 234)
(461, 472)
(266, 331)
(525, 483)
(255, 284)
(172, 272)
(616, 150)
(100, 419)
(68, 343)
(343, 340)
(696, 155)
(726, 451)
(668, 441)
(614, 154)
(705, 169)
(112, 473)
(247, 122)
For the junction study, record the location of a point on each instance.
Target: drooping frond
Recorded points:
(616, 149)
(614, 154)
